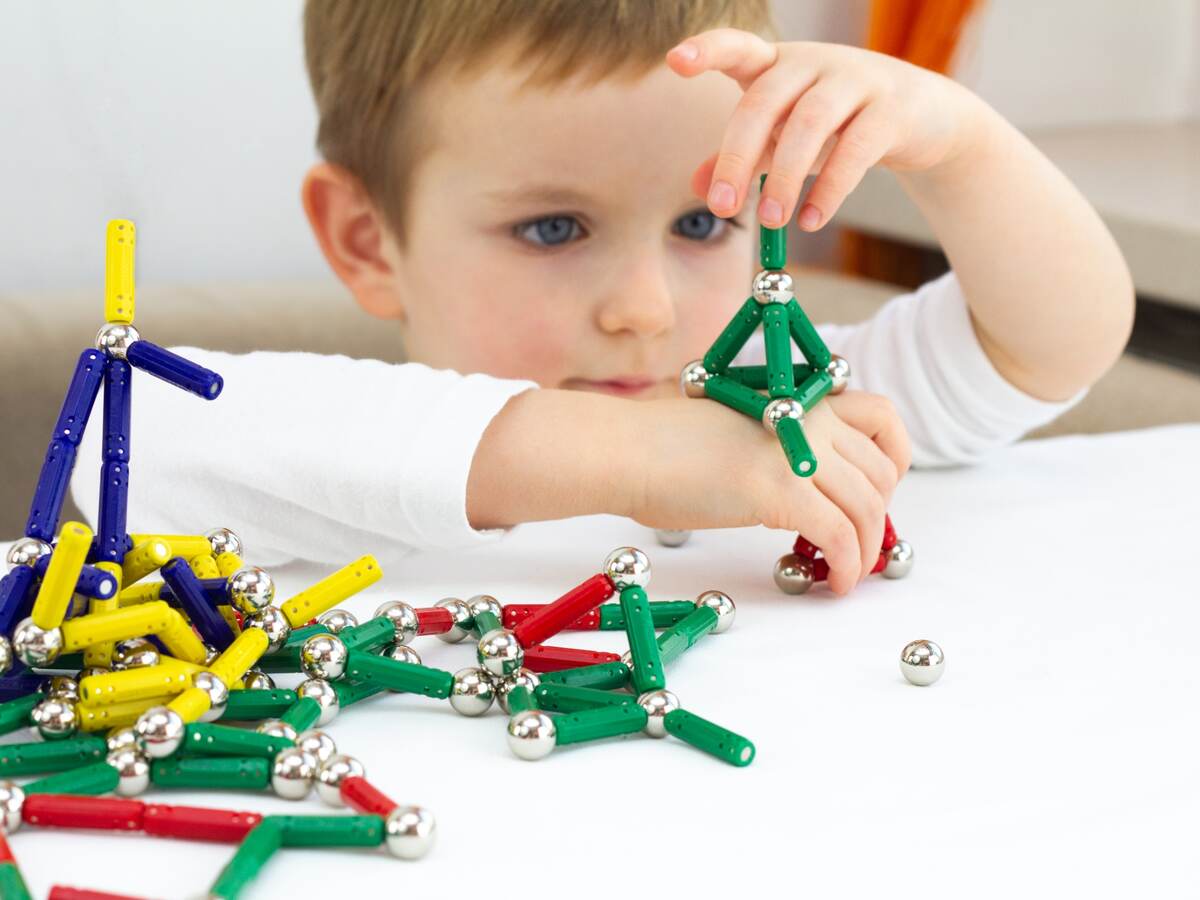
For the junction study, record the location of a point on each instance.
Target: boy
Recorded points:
(512, 183)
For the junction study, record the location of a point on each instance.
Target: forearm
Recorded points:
(1048, 290)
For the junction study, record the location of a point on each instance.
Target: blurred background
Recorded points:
(196, 122)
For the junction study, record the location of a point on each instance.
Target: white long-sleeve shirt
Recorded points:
(323, 458)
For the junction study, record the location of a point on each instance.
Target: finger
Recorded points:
(811, 513)
(739, 54)
(702, 177)
(876, 417)
(817, 115)
(864, 454)
(850, 490)
(748, 135)
(861, 144)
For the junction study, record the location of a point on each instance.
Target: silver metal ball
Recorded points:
(323, 656)
(657, 704)
(159, 731)
(218, 694)
(692, 379)
(779, 409)
(793, 574)
(292, 773)
(722, 604)
(772, 286)
(531, 734)
(403, 618)
(336, 620)
(627, 567)
(333, 771)
(321, 691)
(472, 692)
(250, 589)
(258, 680)
(526, 678)
(133, 771)
(121, 739)
(12, 798)
(134, 653)
(211, 654)
(500, 653)
(6, 655)
(403, 653)
(277, 728)
(318, 743)
(899, 560)
(462, 619)
(672, 537)
(627, 660)
(115, 338)
(271, 620)
(409, 831)
(26, 552)
(839, 371)
(36, 646)
(222, 540)
(55, 718)
(89, 671)
(922, 662)
(485, 603)
(64, 687)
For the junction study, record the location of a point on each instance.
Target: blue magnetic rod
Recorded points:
(186, 586)
(172, 368)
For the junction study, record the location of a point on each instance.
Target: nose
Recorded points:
(640, 299)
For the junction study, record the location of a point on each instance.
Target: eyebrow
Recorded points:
(549, 194)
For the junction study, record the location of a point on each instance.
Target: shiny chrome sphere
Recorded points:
(323, 656)
(12, 798)
(115, 338)
(332, 773)
(55, 718)
(211, 654)
(218, 694)
(134, 653)
(657, 704)
(277, 728)
(779, 409)
(627, 567)
(121, 739)
(922, 662)
(250, 589)
(26, 552)
(292, 773)
(692, 378)
(500, 653)
(89, 671)
(403, 618)
(36, 646)
(6, 655)
(271, 620)
(403, 653)
(531, 734)
(627, 660)
(722, 604)
(839, 371)
(793, 574)
(672, 537)
(337, 619)
(222, 540)
(318, 743)
(64, 687)
(133, 771)
(772, 286)
(409, 831)
(159, 731)
(899, 560)
(258, 680)
(485, 603)
(321, 691)
(472, 692)
(525, 677)
(462, 619)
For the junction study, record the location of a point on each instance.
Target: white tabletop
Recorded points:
(1056, 756)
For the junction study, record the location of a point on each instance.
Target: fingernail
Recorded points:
(770, 212)
(810, 217)
(687, 51)
(721, 196)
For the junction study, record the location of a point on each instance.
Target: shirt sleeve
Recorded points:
(319, 458)
(921, 351)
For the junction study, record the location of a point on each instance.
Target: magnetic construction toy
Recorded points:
(130, 682)
(792, 389)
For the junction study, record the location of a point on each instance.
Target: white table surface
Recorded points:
(1057, 756)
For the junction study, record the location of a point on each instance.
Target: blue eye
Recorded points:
(699, 225)
(551, 231)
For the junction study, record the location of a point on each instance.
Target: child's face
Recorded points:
(552, 233)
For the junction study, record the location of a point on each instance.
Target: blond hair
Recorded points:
(367, 59)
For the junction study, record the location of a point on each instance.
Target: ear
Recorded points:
(354, 238)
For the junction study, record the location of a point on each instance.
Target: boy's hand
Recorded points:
(812, 107)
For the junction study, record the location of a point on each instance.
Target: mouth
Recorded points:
(630, 386)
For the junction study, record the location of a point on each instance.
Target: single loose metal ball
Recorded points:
(332, 773)
(318, 743)
(657, 704)
(26, 552)
(403, 653)
(337, 619)
(121, 739)
(692, 379)
(250, 589)
(526, 678)
(12, 798)
(839, 371)
(133, 771)
(115, 338)
(292, 773)
(922, 662)
(321, 691)
(64, 687)
(36, 646)
(793, 573)
(627, 567)
(271, 620)
(531, 734)
(55, 718)
(472, 692)
(899, 560)
(500, 653)
(462, 619)
(222, 540)
(277, 728)
(772, 286)
(779, 409)
(403, 618)
(409, 831)
(134, 653)
(722, 604)
(323, 656)
(672, 537)
(258, 680)
(6, 655)
(218, 694)
(159, 731)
